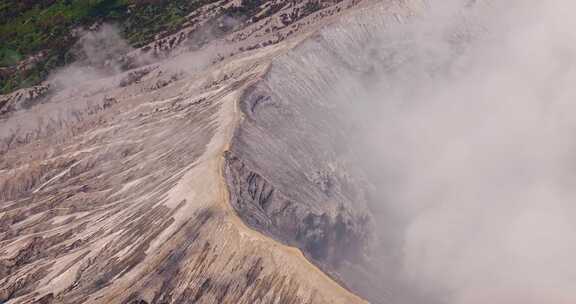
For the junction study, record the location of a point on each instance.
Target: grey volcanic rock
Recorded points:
(292, 167)
(22, 98)
(296, 187)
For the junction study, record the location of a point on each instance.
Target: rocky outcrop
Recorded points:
(22, 98)
(327, 238)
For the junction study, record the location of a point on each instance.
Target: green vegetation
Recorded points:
(30, 26)
(9, 57)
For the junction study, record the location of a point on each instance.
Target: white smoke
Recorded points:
(99, 54)
(477, 129)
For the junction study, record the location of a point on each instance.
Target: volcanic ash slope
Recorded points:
(118, 194)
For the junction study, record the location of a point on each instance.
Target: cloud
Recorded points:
(99, 54)
(473, 127)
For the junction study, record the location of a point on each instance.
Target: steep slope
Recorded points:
(147, 188)
(294, 168)
(124, 202)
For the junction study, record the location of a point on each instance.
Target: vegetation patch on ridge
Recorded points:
(45, 29)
